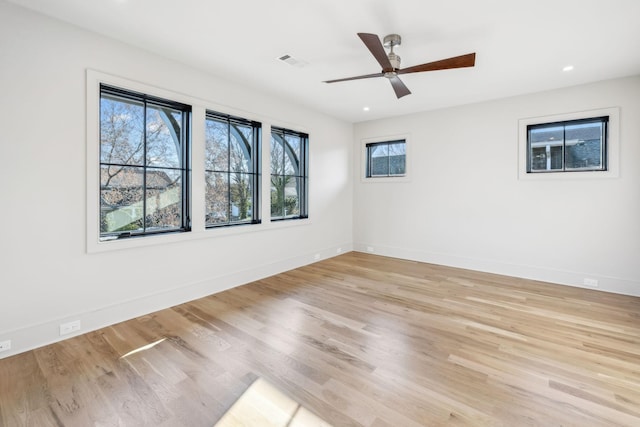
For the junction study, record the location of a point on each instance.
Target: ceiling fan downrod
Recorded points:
(390, 42)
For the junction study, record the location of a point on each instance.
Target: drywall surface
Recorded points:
(48, 276)
(466, 204)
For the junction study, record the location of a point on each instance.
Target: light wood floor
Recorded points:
(357, 340)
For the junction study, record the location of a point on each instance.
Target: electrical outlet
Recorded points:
(369, 248)
(590, 282)
(316, 257)
(67, 328)
(5, 345)
(339, 250)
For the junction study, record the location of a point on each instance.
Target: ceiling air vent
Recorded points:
(293, 61)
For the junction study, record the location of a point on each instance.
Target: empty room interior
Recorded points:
(325, 213)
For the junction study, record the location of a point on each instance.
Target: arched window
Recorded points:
(289, 174)
(232, 170)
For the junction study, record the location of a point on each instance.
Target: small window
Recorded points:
(232, 170)
(144, 175)
(386, 159)
(289, 174)
(568, 146)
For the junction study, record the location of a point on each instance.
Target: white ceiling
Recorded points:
(522, 46)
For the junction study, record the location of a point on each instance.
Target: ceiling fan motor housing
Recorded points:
(395, 60)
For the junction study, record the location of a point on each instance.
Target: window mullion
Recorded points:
(144, 166)
(255, 178)
(184, 171)
(603, 147)
(564, 149)
(388, 159)
(284, 173)
(229, 171)
(304, 202)
(301, 180)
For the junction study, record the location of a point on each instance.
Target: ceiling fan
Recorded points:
(391, 62)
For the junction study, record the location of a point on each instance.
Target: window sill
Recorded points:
(385, 179)
(566, 176)
(97, 246)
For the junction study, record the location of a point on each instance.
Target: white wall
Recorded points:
(465, 205)
(46, 275)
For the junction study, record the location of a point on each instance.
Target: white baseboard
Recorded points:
(41, 334)
(570, 278)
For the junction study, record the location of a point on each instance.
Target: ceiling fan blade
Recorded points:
(468, 60)
(373, 43)
(366, 76)
(399, 88)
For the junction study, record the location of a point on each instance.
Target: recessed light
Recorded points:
(568, 68)
(365, 108)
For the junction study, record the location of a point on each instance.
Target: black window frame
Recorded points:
(604, 145)
(184, 158)
(369, 158)
(255, 174)
(302, 173)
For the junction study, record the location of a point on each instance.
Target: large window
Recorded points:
(575, 145)
(144, 164)
(386, 159)
(289, 174)
(232, 170)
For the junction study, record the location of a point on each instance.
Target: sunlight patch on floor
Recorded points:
(264, 405)
(143, 348)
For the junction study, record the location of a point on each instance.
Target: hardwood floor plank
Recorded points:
(357, 340)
